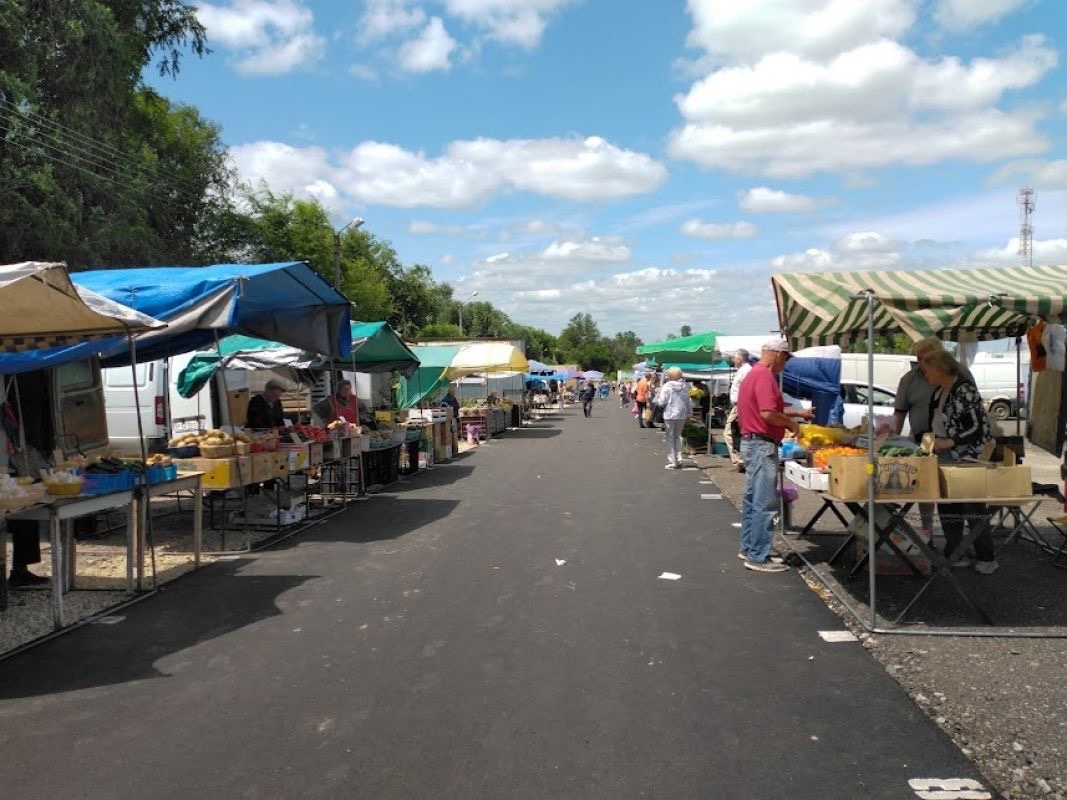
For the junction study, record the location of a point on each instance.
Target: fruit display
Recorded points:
(62, 482)
(820, 458)
(212, 438)
(311, 433)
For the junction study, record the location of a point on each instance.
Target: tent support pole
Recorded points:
(362, 478)
(224, 407)
(872, 566)
(144, 524)
(1018, 386)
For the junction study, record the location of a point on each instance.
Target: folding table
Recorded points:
(941, 566)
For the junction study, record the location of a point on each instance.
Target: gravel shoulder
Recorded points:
(1002, 700)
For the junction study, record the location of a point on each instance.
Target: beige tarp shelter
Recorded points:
(40, 308)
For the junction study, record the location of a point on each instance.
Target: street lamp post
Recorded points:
(355, 223)
(473, 295)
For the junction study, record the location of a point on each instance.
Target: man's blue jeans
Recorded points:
(759, 505)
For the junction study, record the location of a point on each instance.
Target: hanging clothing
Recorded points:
(1038, 352)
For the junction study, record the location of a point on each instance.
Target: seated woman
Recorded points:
(961, 430)
(343, 404)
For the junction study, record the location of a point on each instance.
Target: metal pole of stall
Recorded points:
(1018, 385)
(872, 569)
(145, 517)
(224, 407)
(362, 481)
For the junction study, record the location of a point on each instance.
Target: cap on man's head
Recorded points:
(274, 383)
(778, 345)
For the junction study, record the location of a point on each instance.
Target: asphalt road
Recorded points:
(429, 644)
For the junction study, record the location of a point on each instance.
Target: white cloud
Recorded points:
(469, 172)
(448, 259)
(424, 228)
(384, 18)
(1038, 174)
(594, 249)
(430, 51)
(796, 87)
(961, 15)
(1046, 251)
(718, 230)
(762, 200)
(866, 250)
(364, 72)
(519, 22)
(268, 37)
(746, 31)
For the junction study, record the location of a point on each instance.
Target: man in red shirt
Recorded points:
(761, 411)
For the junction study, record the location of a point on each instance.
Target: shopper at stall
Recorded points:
(342, 404)
(265, 409)
(641, 397)
(761, 411)
(731, 431)
(677, 408)
(587, 395)
(961, 430)
(450, 400)
(912, 403)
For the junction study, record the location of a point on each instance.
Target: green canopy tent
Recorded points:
(430, 376)
(956, 304)
(696, 349)
(832, 307)
(376, 347)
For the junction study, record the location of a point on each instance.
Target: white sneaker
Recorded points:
(986, 567)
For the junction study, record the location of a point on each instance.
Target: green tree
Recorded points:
(96, 168)
(581, 332)
(884, 343)
(686, 331)
(440, 330)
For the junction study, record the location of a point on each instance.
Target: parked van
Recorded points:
(1000, 385)
(889, 368)
(163, 411)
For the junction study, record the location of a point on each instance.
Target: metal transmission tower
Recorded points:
(1026, 229)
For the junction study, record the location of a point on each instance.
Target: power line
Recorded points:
(99, 155)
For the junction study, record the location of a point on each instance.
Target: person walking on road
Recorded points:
(731, 431)
(641, 398)
(587, 395)
(761, 410)
(677, 408)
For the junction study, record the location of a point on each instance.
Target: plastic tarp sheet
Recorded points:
(700, 348)
(376, 347)
(815, 379)
(487, 357)
(284, 302)
(426, 381)
(44, 316)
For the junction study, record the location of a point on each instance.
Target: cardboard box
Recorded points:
(807, 477)
(978, 480)
(296, 456)
(237, 406)
(963, 481)
(904, 478)
(220, 473)
(268, 467)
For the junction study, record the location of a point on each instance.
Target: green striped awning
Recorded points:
(831, 307)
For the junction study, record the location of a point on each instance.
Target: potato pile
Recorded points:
(211, 438)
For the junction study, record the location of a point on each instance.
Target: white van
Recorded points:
(163, 411)
(1000, 385)
(889, 368)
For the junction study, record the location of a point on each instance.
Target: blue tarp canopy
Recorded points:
(284, 302)
(287, 302)
(815, 379)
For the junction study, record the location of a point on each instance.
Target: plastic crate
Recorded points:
(100, 483)
(160, 474)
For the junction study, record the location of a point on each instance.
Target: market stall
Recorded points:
(964, 305)
(32, 341)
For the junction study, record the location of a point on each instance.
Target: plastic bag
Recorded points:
(647, 416)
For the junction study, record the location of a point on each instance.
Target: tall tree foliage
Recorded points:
(97, 168)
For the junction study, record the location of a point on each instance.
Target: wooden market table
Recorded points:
(59, 513)
(940, 566)
(186, 481)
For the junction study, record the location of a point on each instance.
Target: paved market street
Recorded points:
(493, 628)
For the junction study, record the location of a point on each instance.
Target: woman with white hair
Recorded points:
(677, 408)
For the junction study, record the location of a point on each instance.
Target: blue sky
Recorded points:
(651, 163)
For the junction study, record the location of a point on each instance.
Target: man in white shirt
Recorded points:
(731, 432)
